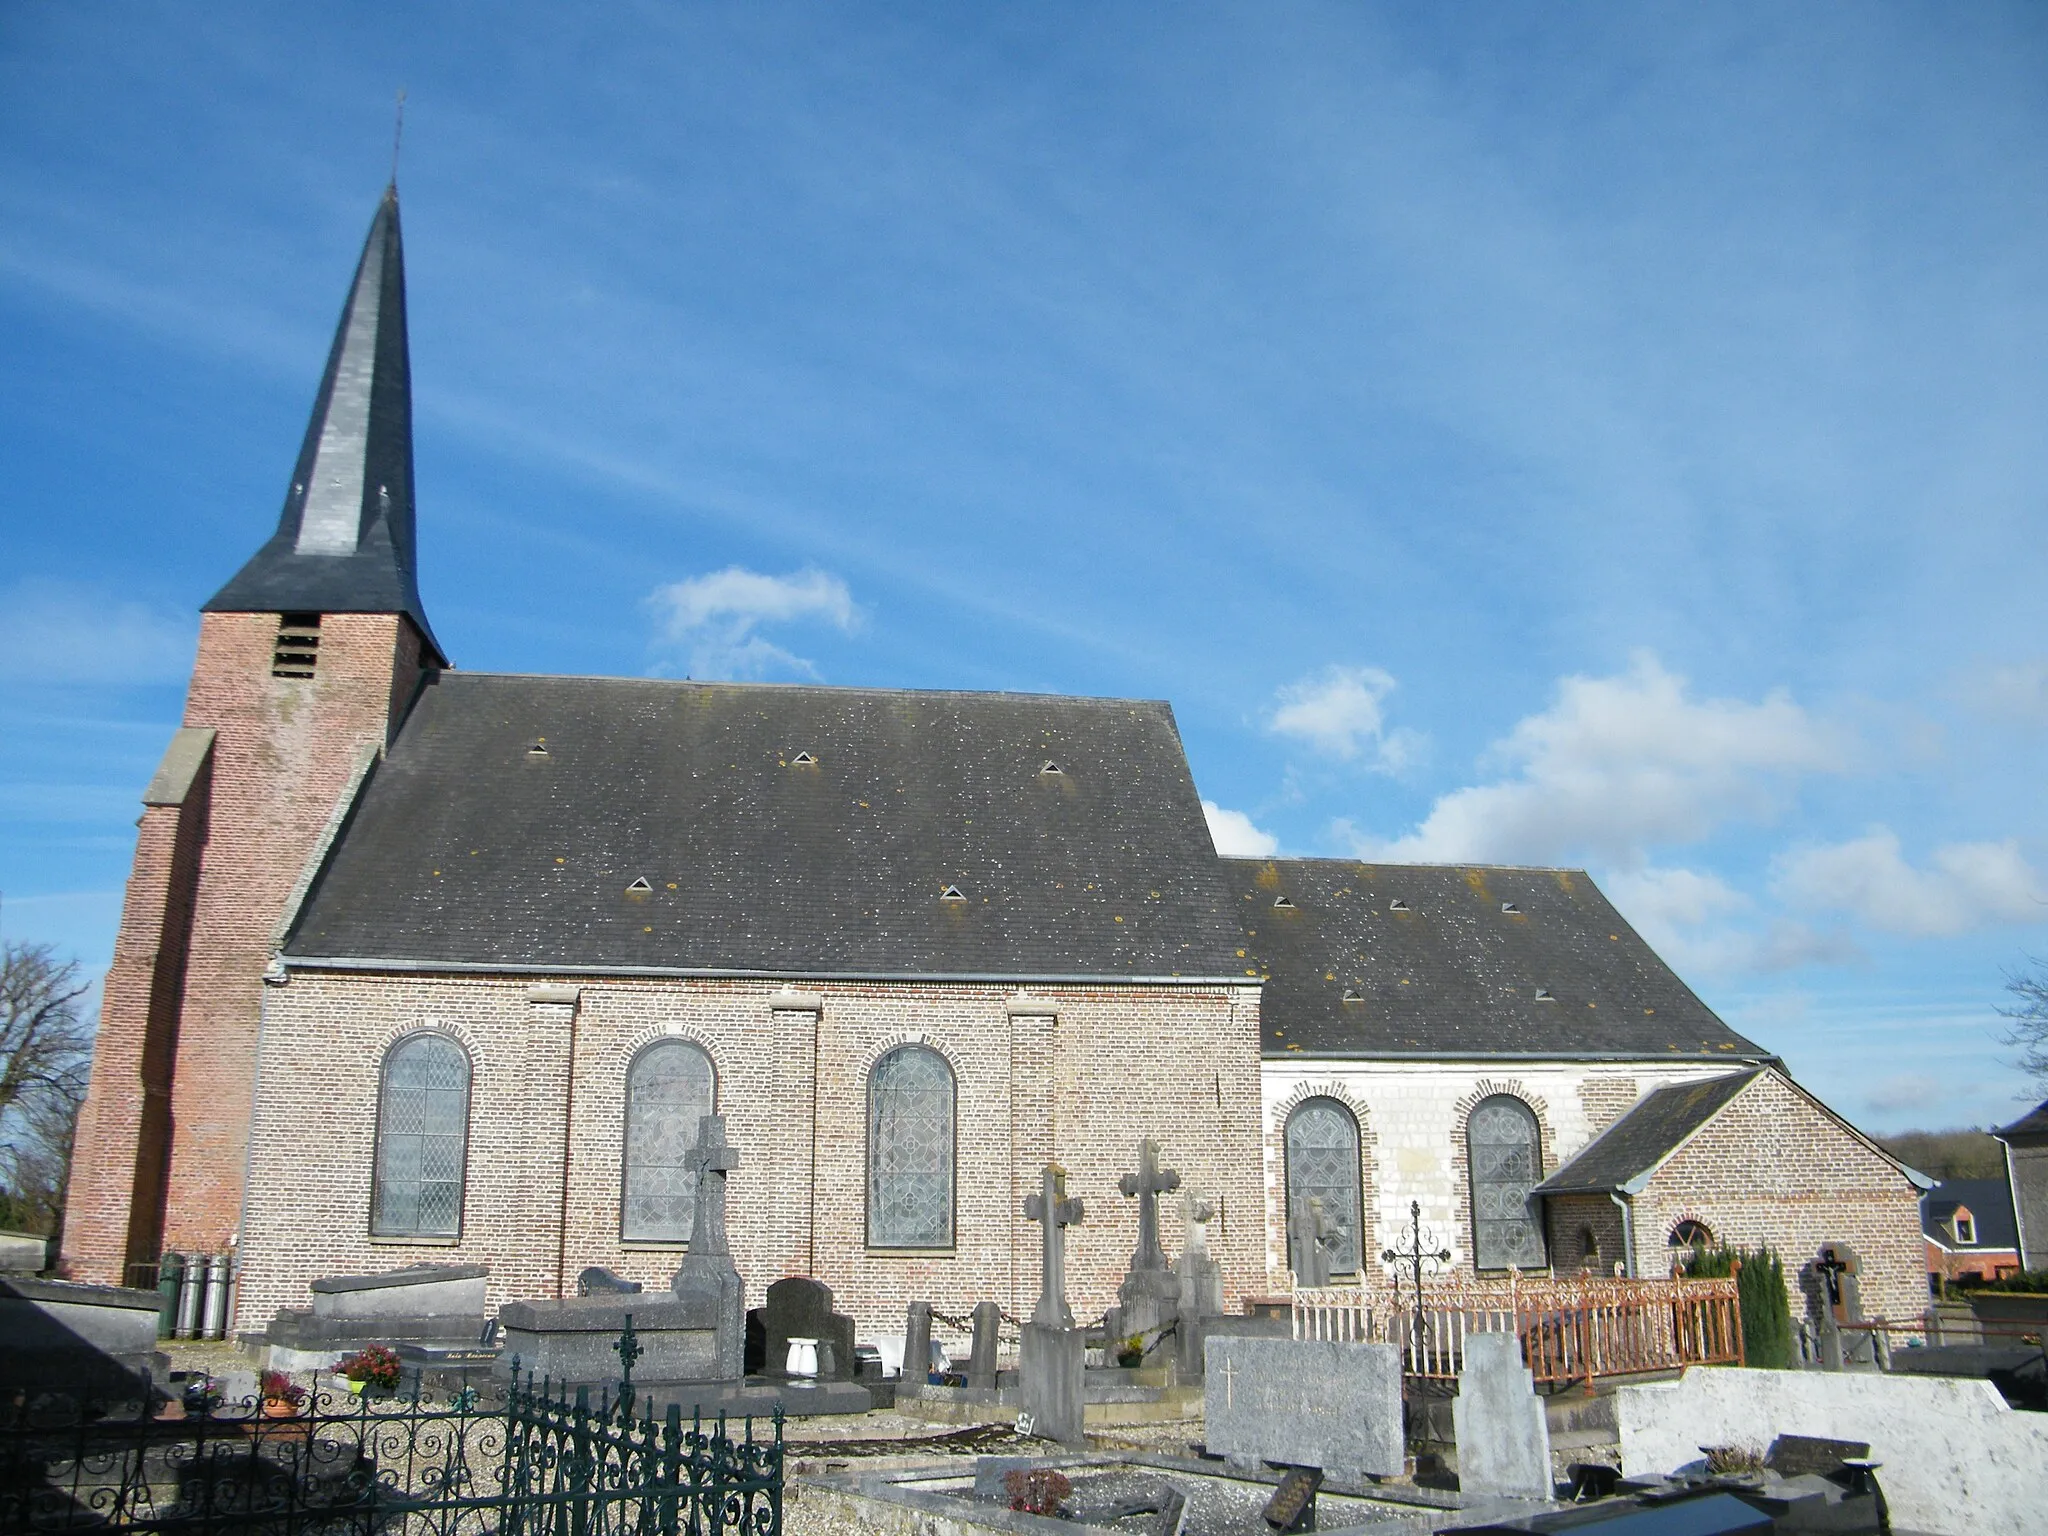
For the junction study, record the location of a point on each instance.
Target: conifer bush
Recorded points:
(1760, 1287)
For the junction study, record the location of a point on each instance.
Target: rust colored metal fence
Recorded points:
(1571, 1329)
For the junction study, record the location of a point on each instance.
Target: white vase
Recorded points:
(803, 1358)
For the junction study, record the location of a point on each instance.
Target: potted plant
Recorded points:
(282, 1397)
(1131, 1352)
(371, 1370)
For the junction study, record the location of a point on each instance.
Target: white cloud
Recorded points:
(1965, 886)
(55, 632)
(1619, 764)
(1682, 915)
(2018, 692)
(714, 618)
(1235, 835)
(1338, 712)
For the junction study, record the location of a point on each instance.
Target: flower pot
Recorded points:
(279, 1408)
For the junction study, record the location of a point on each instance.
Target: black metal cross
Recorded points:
(1414, 1255)
(628, 1349)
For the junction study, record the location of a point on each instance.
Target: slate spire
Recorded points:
(344, 543)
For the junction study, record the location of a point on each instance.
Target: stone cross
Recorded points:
(1148, 1184)
(1229, 1375)
(1051, 1207)
(1197, 1211)
(1307, 1257)
(711, 1160)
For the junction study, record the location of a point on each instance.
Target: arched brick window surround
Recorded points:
(913, 1096)
(1461, 1158)
(1276, 1164)
(1322, 1144)
(671, 1084)
(421, 1160)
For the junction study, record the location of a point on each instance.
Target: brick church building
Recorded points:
(421, 964)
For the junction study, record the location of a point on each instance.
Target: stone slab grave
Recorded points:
(1498, 1421)
(1306, 1403)
(95, 1338)
(433, 1308)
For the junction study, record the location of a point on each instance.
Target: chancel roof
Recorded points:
(1423, 960)
(615, 824)
(1629, 1150)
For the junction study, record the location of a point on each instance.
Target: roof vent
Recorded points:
(803, 760)
(952, 893)
(1283, 901)
(1049, 766)
(1510, 909)
(1398, 905)
(538, 749)
(638, 886)
(1542, 996)
(1353, 995)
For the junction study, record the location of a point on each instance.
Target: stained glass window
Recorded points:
(422, 1139)
(670, 1088)
(1506, 1162)
(910, 1150)
(1322, 1164)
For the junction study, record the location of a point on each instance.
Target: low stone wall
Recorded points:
(1955, 1459)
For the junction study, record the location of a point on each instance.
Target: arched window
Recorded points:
(910, 1150)
(670, 1088)
(1690, 1234)
(1322, 1164)
(422, 1139)
(1505, 1157)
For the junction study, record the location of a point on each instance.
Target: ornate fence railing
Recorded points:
(1571, 1329)
(530, 1461)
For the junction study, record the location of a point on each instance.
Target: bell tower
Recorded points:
(307, 661)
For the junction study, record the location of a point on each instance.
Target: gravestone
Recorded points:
(706, 1278)
(799, 1308)
(1304, 1402)
(1503, 1436)
(1148, 1299)
(1836, 1294)
(981, 1361)
(433, 1307)
(917, 1344)
(1201, 1284)
(1307, 1254)
(599, 1281)
(1054, 1350)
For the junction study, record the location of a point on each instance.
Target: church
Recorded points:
(418, 964)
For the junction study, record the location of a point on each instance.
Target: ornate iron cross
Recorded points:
(1414, 1256)
(628, 1349)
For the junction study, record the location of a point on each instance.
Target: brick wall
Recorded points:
(284, 750)
(1571, 1221)
(1075, 1073)
(1772, 1168)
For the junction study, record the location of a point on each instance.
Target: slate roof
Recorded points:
(1989, 1202)
(468, 849)
(344, 542)
(1455, 973)
(1631, 1148)
(2033, 1124)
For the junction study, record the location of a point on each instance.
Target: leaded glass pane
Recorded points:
(910, 1150)
(669, 1090)
(1506, 1164)
(422, 1138)
(1322, 1164)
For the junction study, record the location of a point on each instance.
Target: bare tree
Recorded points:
(45, 1058)
(2029, 1019)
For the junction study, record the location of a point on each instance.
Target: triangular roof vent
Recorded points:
(1353, 995)
(1049, 766)
(1509, 909)
(538, 749)
(1398, 905)
(1283, 901)
(1543, 996)
(952, 893)
(803, 760)
(639, 886)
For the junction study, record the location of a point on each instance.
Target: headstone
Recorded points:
(917, 1344)
(1054, 1350)
(706, 1277)
(1502, 1433)
(1307, 1254)
(981, 1362)
(599, 1281)
(1201, 1283)
(800, 1308)
(1148, 1299)
(1293, 1505)
(1837, 1299)
(1304, 1402)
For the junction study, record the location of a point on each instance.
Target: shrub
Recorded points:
(1734, 1458)
(2031, 1282)
(278, 1387)
(1036, 1490)
(1760, 1287)
(374, 1365)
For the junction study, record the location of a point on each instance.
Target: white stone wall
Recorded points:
(1411, 1118)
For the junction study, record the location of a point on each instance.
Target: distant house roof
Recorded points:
(1989, 1202)
(1418, 959)
(1622, 1157)
(617, 824)
(2033, 1124)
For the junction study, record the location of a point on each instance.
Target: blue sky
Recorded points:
(1591, 435)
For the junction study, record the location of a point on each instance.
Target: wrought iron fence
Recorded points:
(529, 1460)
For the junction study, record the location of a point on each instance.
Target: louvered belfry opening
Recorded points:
(298, 645)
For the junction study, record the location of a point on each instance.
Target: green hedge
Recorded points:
(1766, 1309)
(2032, 1282)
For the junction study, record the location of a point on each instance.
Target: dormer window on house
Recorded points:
(1966, 1226)
(297, 653)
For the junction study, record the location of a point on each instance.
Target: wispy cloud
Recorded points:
(1339, 712)
(715, 620)
(1963, 886)
(61, 632)
(1618, 765)
(1236, 835)
(2017, 692)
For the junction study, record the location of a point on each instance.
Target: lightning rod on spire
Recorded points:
(397, 135)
